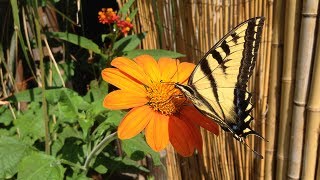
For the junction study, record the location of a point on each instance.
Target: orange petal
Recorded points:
(184, 71)
(195, 131)
(131, 68)
(194, 115)
(122, 81)
(150, 67)
(121, 99)
(157, 135)
(168, 68)
(181, 137)
(134, 122)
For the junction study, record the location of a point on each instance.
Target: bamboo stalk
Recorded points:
(223, 157)
(207, 154)
(290, 50)
(263, 113)
(231, 17)
(304, 61)
(274, 89)
(256, 7)
(311, 143)
(226, 16)
(235, 12)
(220, 18)
(318, 171)
(246, 9)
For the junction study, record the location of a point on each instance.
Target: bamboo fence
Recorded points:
(285, 84)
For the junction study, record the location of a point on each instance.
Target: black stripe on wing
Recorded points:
(217, 56)
(249, 54)
(206, 69)
(242, 100)
(224, 45)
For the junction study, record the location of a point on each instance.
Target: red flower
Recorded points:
(107, 16)
(125, 25)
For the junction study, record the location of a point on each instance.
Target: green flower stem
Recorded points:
(43, 88)
(97, 149)
(113, 38)
(63, 161)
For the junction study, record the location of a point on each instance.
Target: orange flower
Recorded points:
(107, 16)
(125, 26)
(157, 107)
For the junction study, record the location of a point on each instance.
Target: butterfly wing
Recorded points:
(220, 79)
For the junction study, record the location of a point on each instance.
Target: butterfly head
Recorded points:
(186, 90)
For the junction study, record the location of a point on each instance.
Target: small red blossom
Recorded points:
(125, 25)
(107, 16)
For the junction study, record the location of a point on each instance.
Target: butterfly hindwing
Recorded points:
(220, 79)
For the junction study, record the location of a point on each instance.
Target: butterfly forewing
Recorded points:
(220, 79)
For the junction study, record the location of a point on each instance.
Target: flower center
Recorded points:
(165, 98)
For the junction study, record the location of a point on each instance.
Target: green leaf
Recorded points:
(99, 164)
(95, 96)
(125, 8)
(65, 104)
(128, 43)
(30, 123)
(6, 116)
(97, 91)
(101, 130)
(133, 13)
(155, 53)
(136, 148)
(77, 40)
(72, 150)
(85, 123)
(114, 117)
(40, 166)
(11, 153)
(67, 132)
(104, 36)
(106, 163)
(53, 96)
(26, 96)
(15, 12)
(78, 177)
(65, 69)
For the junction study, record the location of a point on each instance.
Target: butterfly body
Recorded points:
(218, 85)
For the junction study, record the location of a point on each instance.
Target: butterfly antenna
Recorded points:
(259, 155)
(169, 83)
(177, 71)
(258, 135)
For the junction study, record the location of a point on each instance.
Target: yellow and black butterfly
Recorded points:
(218, 85)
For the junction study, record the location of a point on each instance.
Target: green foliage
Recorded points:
(30, 123)
(12, 151)
(6, 116)
(156, 53)
(66, 70)
(126, 7)
(79, 126)
(128, 43)
(77, 40)
(117, 164)
(136, 148)
(40, 166)
(74, 137)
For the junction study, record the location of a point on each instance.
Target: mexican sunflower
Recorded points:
(158, 107)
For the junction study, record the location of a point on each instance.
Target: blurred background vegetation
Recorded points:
(51, 115)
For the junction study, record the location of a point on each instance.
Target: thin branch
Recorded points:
(53, 60)
(97, 149)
